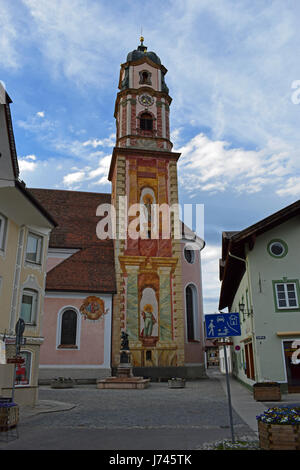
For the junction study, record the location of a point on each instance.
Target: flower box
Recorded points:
(176, 383)
(267, 391)
(9, 416)
(279, 429)
(62, 382)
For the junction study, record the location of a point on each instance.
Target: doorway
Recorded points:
(249, 361)
(292, 369)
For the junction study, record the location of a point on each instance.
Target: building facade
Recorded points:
(259, 271)
(25, 227)
(150, 303)
(146, 271)
(80, 285)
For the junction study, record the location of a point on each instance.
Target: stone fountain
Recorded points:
(124, 377)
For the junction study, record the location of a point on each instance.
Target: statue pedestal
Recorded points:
(124, 370)
(125, 377)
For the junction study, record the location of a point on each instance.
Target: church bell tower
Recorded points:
(143, 172)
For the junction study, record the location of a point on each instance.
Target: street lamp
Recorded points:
(243, 311)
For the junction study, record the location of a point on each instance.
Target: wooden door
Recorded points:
(249, 361)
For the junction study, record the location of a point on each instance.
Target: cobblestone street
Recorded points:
(154, 418)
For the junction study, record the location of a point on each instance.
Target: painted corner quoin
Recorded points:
(148, 304)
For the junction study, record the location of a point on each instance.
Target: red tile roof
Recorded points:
(91, 269)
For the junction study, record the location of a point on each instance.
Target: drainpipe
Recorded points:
(256, 372)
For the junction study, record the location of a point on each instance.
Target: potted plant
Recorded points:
(62, 382)
(9, 414)
(267, 391)
(176, 382)
(279, 429)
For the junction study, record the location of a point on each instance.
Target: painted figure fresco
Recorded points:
(149, 320)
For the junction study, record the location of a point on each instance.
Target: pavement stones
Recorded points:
(156, 418)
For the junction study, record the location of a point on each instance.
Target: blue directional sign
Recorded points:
(220, 325)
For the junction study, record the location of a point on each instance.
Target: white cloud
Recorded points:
(107, 142)
(27, 164)
(210, 256)
(40, 114)
(72, 178)
(9, 58)
(87, 174)
(214, 166)
(291, 187)
(76, 38)
(43, 127)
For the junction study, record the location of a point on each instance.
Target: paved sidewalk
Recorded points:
(243, 402)
(45, 406)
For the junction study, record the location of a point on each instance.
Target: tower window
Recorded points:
(145, 77)
(148, 356)
(146, 122)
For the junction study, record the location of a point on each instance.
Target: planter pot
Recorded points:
(62, 383)
(279, 436)
(9, 416)
(176, 383)
(267, 391)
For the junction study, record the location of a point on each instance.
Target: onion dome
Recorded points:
(141, 52)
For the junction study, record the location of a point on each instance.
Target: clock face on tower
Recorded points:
(146, 100)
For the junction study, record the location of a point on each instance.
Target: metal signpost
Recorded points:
(19, 330)
(222, 325)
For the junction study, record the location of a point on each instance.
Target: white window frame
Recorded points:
(38, 259)
(59, 328)
(3, 231)
(287, 306)
(196, 326)
(34, 294)
(191, 250)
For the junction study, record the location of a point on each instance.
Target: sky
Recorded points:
(233, 75)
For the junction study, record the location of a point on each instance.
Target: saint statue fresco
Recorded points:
(149, 320)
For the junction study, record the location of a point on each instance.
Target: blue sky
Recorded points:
(234, 76)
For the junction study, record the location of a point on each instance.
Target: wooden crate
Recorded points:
(262, 392)
(9, 417)
(279, 436)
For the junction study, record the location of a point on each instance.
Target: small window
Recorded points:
(145, 77)
(277, 248)
(68, 329)
(3, 228)
(34, 248)
(190, 313)
(146, 122)
(29, 306)
(189, 255)
(286, 295)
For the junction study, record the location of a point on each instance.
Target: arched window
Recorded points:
(145, 77)
(189, 254)
(146, 122)
(191, 313)
(68, 333)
